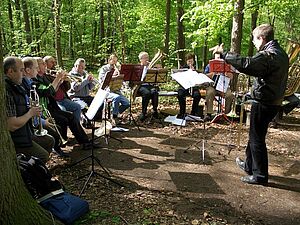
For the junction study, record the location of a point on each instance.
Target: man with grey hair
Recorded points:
(146, 90)
(270, 68)
(19, 112)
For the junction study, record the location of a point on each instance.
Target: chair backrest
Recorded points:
(293, 81)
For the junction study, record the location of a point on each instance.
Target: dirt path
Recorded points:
(167, 181)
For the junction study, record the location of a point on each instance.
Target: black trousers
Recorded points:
(182, 93)
(256, 151)
(65, 119)
(148, 92)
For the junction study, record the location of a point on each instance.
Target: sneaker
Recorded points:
(61, 153)
(180, 116)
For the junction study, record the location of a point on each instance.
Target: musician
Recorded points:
(119, 102)
(211, 92)
(52, 139)
(270, 67)
(146, 90)
(18, 111)
(61, 95)
(46, 88)
(194, 91)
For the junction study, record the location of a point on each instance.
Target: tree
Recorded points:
(167, 26)
(180, 30)
(56, 12)
(17, 207)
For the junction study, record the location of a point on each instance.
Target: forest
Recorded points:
(92, 29)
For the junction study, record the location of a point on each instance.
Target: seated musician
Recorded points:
(51, 140)
(211, 92)
(46, 88)
(82, 84)
(61, 95)
(194, 92)
(19, 112)
(146, 90)
(119, 102)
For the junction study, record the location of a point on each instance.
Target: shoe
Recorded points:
(207, 118)
(142, 117)
(252, 180)
(61, 153)
(89, 146)
(155, 115)
(180, 116)
(240, 163)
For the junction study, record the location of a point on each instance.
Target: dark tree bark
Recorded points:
(101, 32)
(236, 35)
(56, 12)
(180, 31)
(16, 206)
(254, 16)
(167, 26)
(26, 21)
(11, 23)
(71, 24)
(109, 35)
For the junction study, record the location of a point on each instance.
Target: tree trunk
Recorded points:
(56, 12)
(71, 24)
(11, 23)
(16, 206)
(26, 21)
(109, 28)
(101, 33)
(167, 27)
(180, 31)
(236, 34)
(254, 16)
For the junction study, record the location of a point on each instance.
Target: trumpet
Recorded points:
(61, 139)
(35, 102)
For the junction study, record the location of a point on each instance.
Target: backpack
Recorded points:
(36, 176)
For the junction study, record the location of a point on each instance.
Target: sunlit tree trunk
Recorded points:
(109, 34)
(17, 207)
(180, 31)
(101, 32)
(167, 26)
(56, 12)
(71, 25)
(236, 34)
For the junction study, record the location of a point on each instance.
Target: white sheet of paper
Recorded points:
(223, 83)
(191, 78)
(96, 103)
(120, 129)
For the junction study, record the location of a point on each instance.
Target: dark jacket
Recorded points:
(21, 137)
(270, 67)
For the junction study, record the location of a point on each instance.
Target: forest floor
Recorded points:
(166, 181)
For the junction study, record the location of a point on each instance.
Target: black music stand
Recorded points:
(132, 73)
(156, 76)
(220, 66)
(89, 115)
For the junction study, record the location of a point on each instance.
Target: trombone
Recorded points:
(61, 139)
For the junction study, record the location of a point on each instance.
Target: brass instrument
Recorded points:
(61, 139)
(293, 81)
(156, 57)
(35, 102)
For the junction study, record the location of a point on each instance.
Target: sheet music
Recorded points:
(96, 103)
(144, 73)
(191, 78)
(223, 83)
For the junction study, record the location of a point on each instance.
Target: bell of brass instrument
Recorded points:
(35, 102)
(61, 139)
(293, 82)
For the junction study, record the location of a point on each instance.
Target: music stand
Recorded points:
(89, 115)
(132, 73)
(156, 76)
(221, 67)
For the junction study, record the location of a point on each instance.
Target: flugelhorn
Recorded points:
(35, 102)
(61, 139)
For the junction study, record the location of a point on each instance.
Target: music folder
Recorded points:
(156, 75)
(132, 72)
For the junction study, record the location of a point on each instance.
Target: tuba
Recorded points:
(293, 81)
(159, 55)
